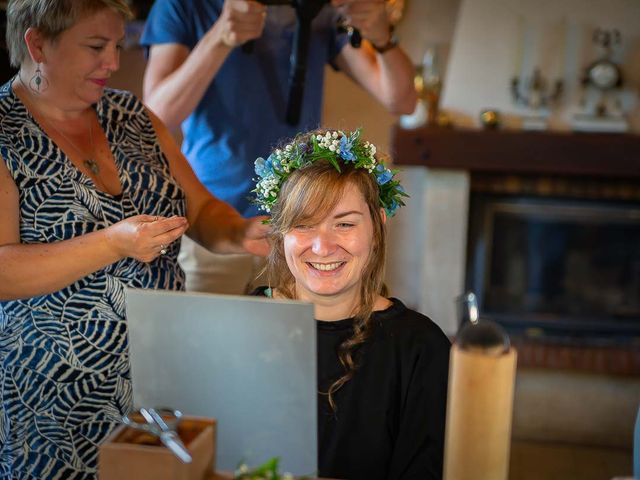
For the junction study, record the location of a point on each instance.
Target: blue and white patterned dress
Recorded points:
(64, 367)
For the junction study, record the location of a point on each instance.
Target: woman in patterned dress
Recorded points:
(94, 197)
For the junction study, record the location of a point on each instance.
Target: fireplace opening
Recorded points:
(557, 267)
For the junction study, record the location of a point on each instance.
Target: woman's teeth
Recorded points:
(326, 267)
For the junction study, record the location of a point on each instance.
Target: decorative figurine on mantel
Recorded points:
(601, 102)
(535, 94)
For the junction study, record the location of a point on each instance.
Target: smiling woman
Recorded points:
(382, 368)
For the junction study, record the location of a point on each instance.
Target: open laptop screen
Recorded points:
(248, 362)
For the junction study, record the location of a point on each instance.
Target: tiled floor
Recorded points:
(553, 461)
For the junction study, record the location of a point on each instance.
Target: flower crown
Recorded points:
(334, 146)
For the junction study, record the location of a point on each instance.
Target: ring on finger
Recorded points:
(163, 249)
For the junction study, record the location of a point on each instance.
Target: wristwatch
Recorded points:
(391, 43)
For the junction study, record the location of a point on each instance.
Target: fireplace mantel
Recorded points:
(518, 152)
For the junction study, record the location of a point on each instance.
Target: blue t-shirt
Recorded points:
(242, 114)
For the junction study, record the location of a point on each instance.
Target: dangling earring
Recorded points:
(38, 82)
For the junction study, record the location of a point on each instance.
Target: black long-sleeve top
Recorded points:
(390, 417)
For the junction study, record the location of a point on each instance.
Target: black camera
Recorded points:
(309, 7)
(312, 8)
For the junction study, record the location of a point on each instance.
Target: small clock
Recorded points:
(603, 74)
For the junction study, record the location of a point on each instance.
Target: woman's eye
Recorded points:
(345, 225)
(97, 48)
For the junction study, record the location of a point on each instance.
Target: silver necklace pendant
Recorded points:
(92, 165)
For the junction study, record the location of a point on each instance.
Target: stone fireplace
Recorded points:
(544, 227)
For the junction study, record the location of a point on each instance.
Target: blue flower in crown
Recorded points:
(275, 162)
(263, 168)
(384, 174)
(345, 152)
(391, 209)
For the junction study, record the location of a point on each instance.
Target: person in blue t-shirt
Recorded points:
(231, 102)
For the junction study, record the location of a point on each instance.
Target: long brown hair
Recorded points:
(308, 195)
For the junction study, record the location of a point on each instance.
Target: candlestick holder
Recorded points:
(537, 94)
(534, 92)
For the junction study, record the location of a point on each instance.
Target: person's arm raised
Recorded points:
(28, 270)
(387, 76)
(176, 79)
(214, 224)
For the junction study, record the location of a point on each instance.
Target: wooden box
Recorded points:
(133, 454)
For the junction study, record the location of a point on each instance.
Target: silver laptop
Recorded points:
(248, 362)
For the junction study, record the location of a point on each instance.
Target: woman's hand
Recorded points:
(255, 236)
(143, 237)
(214, 224)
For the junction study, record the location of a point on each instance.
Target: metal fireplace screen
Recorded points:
(556, 267)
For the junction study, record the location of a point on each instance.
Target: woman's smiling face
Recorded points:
(328, 257)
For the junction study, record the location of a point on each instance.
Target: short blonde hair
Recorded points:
(50, 18)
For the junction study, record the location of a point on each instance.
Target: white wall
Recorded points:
(488, 47)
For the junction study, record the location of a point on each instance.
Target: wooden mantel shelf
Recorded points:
(519, 152)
